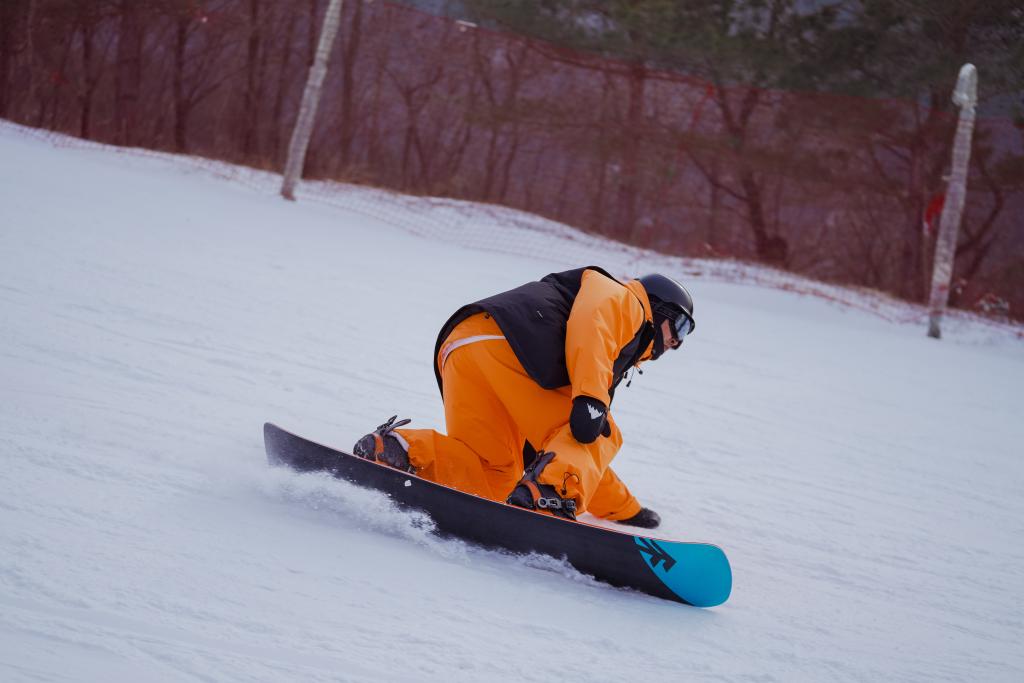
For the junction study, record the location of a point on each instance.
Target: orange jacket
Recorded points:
(605, 326)
(607, 317)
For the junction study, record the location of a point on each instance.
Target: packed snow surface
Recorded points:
(867, 482)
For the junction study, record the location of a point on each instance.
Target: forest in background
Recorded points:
(812, 136)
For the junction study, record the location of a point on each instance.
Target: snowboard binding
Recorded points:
(386, 446)
(532, 495)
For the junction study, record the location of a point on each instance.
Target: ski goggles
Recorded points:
(682, 325)
(681, 322)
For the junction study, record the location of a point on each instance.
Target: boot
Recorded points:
(532, 495)
(645, 519)
(386, 446)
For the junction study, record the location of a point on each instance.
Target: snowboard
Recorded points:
(690, 573)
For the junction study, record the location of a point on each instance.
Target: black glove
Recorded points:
(646, 519)
(588, 419)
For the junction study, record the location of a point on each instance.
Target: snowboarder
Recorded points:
(537, 367)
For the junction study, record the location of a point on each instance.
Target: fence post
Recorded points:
(310, 101)
(965, 96)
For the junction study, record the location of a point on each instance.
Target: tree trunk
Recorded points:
(513, 138)
(127, 73)
(912, 236)
(52, 106)
(312, 25)
(88, 84)
(252, 89)
(375, 115)
(598, 216)
(350, 54)
(181, 107)
(30, 48)
(626, 196)
(7, 25)
(713, 241)
(282, 86)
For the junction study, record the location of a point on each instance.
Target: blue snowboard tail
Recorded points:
(698, 573)
(691, 573)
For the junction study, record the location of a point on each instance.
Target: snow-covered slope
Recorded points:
(866, 481)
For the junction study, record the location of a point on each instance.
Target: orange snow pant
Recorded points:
(491, 407)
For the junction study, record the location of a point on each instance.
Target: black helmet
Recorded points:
(668, 292)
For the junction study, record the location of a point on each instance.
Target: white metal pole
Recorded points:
(965, 96)
(310, 101)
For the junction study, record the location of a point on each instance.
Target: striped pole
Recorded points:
(965, 96)
(310, 101)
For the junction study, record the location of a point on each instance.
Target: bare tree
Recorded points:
(281, 89)
(198, 71)
(10, 12)
(349, 59)
(255, 66)
(128, 71)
